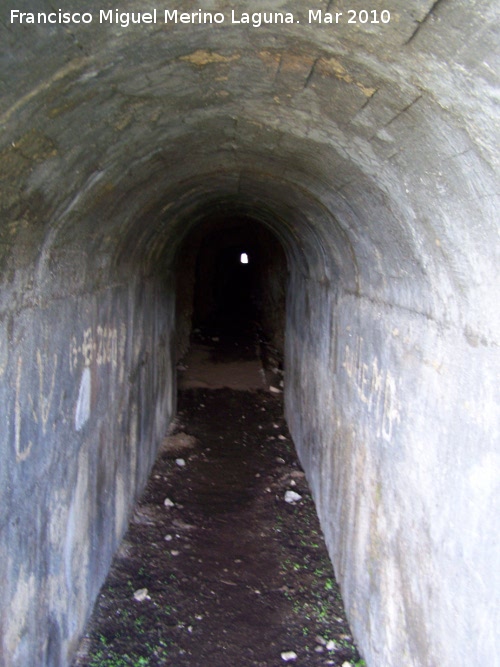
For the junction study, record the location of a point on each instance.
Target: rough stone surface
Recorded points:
(371, 153)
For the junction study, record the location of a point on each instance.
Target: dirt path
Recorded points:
(231, 574)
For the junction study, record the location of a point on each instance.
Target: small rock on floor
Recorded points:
(141, 594)
(292, 497)
(288, 656)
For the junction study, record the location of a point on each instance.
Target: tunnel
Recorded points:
(357, 161)
(231, 275)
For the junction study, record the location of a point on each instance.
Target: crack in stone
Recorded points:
(423, 21)
(311, 72)
(400, 113)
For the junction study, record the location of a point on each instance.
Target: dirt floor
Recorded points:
(217, 568)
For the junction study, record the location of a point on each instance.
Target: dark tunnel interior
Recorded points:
(229, 296)
(234, 288)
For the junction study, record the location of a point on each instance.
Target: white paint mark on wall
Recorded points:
(22, 449)
(376, 388)
(45, 397)
(121, 354)
(40, 407)
(82, 412)
(100, 346)
(3, 354)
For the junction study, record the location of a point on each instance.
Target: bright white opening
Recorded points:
(244, 258)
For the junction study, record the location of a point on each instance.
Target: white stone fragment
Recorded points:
(331, 645)
(141, 594)
(288, 656)
(180, 462)
(168, 538)
(82, 412)
(274, 390)
(292, 497)
(168, 503)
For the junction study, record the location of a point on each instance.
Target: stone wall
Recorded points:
(88, 392)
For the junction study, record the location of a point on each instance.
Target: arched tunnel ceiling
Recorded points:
(349, 133)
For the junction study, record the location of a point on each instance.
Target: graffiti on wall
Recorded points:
(100, 347)
(40, 405)
(375, 387)
(34, 398)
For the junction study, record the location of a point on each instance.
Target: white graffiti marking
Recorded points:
(45, 400)
(22, 451)
(376, 388)
(99, 347)
(40, 410)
